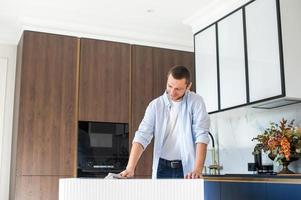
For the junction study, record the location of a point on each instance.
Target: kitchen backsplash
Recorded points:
(233, 131)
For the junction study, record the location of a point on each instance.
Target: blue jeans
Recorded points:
(169, 169)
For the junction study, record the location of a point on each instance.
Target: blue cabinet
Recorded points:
(215, 190)
(212, 190)
(245, 191)
(283, 191)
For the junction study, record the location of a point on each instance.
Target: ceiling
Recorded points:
(164, 23)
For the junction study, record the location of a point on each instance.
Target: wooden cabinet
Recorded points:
(45, 118)
(47, 105)
(142, 93)
(104, 81)
(148, 81)
(61, 80)
(163, 60)
(37, 187)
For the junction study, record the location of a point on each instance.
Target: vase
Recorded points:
(285, 163)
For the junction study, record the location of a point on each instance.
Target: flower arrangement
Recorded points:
(281, 141)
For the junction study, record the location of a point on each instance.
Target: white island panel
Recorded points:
(130, 189)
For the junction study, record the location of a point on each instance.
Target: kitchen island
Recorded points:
(130, 189)
(252, 186)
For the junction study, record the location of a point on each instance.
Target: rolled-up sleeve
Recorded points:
(145, 132)
(200, 122)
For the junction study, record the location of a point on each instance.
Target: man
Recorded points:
(179, 122)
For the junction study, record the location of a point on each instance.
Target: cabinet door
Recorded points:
(37, 188)
(232, 71)
(206, 67)
(142, 92)
(245, 191)
(283, 191)
(104, 81)
(263, 50)
(148, 81)
(47, 105)
(212, 190)
(164, 59)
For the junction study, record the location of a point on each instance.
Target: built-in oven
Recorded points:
(102, 148)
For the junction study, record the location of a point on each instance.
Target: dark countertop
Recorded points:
(266, 178)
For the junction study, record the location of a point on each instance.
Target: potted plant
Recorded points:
(282, 142)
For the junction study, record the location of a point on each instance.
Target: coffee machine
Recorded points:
(258, 166)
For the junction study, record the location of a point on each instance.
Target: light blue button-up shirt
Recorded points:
(193, 121)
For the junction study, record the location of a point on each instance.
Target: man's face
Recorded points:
(176, 88)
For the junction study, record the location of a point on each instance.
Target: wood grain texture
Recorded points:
(47, 105)
(148, 81)
(142, 83)
(37, 187)
(163, 60)
(104, 81)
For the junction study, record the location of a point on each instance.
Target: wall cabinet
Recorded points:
(45, 113)
(239, 57)
(206, 71)
(232, 73)
(104, 81)
(263, 50)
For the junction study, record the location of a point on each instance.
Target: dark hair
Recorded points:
(180, 72)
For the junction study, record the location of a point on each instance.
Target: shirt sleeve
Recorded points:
(145, 132)
(200, 122)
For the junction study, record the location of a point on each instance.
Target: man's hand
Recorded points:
(127, 173)
(201, 150)
(194, 174)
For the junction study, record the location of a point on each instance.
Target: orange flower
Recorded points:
(285, 148)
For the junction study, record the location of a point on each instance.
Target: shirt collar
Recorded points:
(168, 102)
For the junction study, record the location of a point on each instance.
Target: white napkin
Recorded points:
(114, 176)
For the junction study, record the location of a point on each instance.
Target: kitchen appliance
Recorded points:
(102, 148)
(258, 166)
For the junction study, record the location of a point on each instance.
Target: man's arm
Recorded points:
(201, 150)
(136, 152)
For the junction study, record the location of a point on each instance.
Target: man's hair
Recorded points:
(180, 72)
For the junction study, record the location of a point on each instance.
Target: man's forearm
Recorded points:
(201, 150)
(136, 152)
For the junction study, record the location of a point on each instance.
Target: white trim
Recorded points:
(211, 13)
(3, 77)
(108, 33)
(8, 52)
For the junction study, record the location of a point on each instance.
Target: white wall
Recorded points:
(7, 87)
(234, 130)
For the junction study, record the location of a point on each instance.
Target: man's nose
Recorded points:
(172, 91)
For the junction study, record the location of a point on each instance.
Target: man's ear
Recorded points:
(189, 86)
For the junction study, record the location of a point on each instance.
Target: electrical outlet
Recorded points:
(251, 167)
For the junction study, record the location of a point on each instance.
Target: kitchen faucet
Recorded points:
(214, 168)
